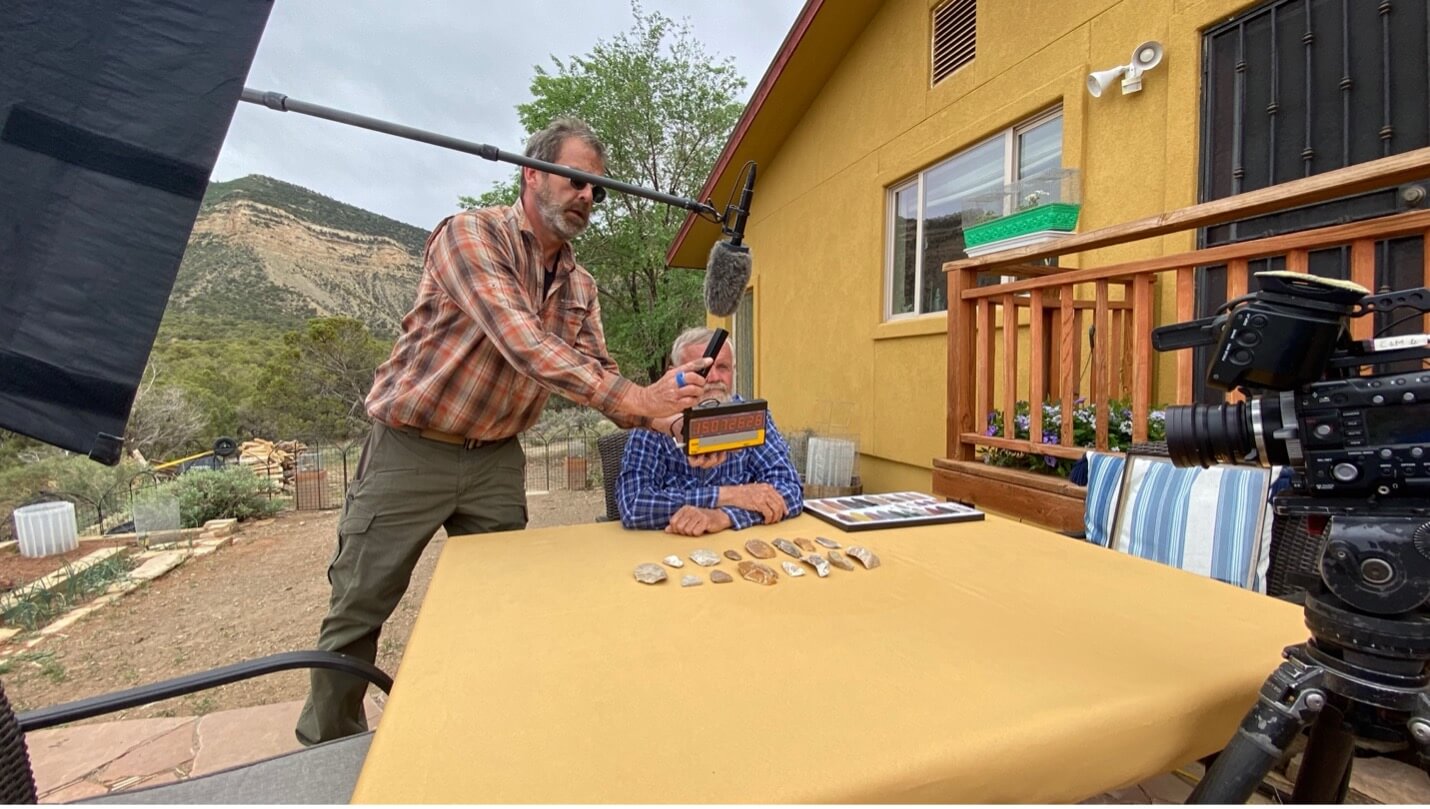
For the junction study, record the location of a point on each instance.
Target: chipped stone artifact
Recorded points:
(733, 555)
(673, 561)
(826, 542)
(793, 570)
(704, 557)
(689, 580)
(865, 556)
(819, 563)
(720, 577)
(758, 573)
(760, 549)
(649, 573)
(840, 561)
(805, 545)
(788, 547)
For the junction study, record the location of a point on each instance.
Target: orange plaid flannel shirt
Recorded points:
(481, 351)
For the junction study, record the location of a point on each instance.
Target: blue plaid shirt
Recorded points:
(656, 479)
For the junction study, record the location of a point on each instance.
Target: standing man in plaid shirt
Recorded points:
(504, 316)
(660, 488)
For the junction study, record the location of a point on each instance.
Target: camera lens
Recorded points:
(1202, 435)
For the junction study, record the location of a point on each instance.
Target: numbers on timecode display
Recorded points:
(725, 425)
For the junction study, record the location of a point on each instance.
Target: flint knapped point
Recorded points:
(788, 547)
(759, 549)
(704, 557)
(649, 573)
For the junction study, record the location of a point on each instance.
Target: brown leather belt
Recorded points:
(449, 438)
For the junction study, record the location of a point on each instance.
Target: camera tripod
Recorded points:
(1361, 680)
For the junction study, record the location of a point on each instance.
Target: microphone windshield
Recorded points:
(726, 275)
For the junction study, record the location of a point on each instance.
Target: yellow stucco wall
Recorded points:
(818, 225)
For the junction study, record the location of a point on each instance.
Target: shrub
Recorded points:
(212, 494)
(1119, 433)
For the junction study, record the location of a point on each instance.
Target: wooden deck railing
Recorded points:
(1053, 307)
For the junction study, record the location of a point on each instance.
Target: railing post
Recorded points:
(1010, 367)
(1142, 357)
(961, 363)
(1037, 367)
(1068, 367)
(1186, 305)
(1100, 363)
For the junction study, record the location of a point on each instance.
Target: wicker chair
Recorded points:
(1294, 552)
(324, 773)
(611, 448)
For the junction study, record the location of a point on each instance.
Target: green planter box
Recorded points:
(1053, 216)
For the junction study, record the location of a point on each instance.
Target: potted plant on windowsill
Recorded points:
(1035, 209)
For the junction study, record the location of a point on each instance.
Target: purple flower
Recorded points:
(992, 430)
(1050, 460)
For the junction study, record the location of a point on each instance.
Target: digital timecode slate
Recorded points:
(722, 427)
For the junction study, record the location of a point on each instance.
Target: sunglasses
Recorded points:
(598, 193)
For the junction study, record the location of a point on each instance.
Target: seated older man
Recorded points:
(660, 487)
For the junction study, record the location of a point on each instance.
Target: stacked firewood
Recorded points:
(274, 460)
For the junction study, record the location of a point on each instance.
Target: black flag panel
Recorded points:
(111, 118)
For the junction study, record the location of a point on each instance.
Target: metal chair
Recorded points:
(611, 448)
(324, 773)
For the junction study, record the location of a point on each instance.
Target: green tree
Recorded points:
(664, 108)
(315, 386)
(503, 193)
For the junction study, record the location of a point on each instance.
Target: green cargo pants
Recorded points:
(406, 488)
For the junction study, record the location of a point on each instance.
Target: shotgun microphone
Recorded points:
(728, 270)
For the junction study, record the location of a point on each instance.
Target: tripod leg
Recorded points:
(1284, 707)
(1325, 773)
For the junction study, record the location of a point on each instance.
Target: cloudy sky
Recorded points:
(458, 67)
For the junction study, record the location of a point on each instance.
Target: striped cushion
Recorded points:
(1214, 522)
(1104, 483)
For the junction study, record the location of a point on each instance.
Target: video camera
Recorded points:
(1357, 439)
(1356, 443)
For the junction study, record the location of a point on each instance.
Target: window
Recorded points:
(955, 32)
(1293, 88)
(744, 328)
(926, 212)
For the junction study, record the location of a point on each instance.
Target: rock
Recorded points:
(793, 570)
(704, 557)
(788, 547)
(840, 561)
(826, 542)
(720, 577)
(650, 574)
(689, 580)
(758, 573)
(805, 545)
(819, 563)
(733, 555)
(865, 556)
(673, 561)
(760, 549)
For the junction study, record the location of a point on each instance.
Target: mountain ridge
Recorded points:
(273, 254)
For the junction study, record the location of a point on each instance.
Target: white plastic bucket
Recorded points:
(45, 529)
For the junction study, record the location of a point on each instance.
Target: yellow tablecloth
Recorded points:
(987, 661)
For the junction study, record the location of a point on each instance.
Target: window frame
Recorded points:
(1011, 156)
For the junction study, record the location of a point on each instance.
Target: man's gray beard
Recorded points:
(554, 217)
